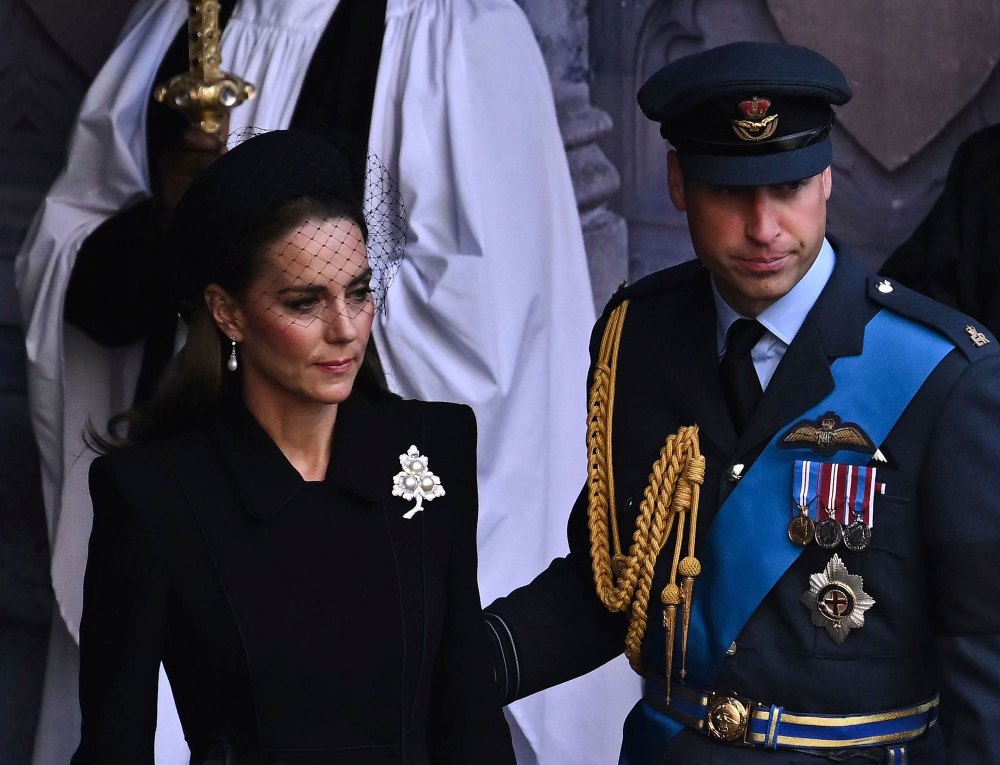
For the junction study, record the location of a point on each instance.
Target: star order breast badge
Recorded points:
(415, 481)
(836, 600)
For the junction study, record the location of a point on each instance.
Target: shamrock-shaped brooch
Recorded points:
(415, 481)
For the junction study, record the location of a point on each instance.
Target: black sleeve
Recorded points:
(556, 628)
(121, 281)
(961, 520)
(466, 722)
(120, 285)
(122, 631)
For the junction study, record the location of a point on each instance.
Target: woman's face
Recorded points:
(306, 318)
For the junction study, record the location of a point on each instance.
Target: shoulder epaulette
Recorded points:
(968, 335)
(656, 282)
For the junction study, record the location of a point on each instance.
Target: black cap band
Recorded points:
(731, 149)
(761, 170)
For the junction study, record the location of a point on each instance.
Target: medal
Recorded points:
(858, 532)
(836, 600)
(857, 535)
(829, 532)
(843, 496)
(802, 528)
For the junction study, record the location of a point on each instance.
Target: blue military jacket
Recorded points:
(931, 565)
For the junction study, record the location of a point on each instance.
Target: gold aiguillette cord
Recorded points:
(670, 497)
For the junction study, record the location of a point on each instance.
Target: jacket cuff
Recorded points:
(506, 669)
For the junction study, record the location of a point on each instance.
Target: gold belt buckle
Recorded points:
(728, 718)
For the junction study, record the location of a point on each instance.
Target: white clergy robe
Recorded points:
(491, 306)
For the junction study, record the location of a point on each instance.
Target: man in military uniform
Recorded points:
(812, 573)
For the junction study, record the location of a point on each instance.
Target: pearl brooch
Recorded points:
(415, 481)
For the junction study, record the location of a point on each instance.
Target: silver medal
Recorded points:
(857, 535)
(829, 533)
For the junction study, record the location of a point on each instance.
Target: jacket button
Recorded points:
(735, 472)
(731, 651)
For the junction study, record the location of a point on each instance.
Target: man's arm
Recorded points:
(961, 520)
(555, 628)
(122, 278)
(118, 287)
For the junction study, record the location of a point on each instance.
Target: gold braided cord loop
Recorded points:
(600, 478)
(671, 494)
(658, 514)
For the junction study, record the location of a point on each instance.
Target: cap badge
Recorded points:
(977, 337)
(836, 600)
(758, 126)
(415, 481)
(827, 435)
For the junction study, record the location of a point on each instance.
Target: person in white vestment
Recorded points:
(492, 306)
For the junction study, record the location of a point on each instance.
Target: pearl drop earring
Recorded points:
(232, 364)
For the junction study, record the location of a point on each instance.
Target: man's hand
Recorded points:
(182, 164)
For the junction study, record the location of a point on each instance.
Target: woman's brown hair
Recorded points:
(194, 383)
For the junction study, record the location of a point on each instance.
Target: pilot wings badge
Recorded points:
(826, 436)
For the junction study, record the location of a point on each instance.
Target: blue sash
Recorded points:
(747, 550)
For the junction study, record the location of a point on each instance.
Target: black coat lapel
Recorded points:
(833, 328)
(701, 380)
(368, 438)
(367, 442)
(681, 344)
(261, 475)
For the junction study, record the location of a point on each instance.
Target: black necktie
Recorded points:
(739, 378)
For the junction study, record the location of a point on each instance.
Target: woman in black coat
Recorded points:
(294, 543)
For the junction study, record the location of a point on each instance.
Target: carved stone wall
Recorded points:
(923, 81)
(562, 30)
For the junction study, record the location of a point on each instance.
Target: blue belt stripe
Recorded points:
(775, 727)
(844, 732)
(691, 709)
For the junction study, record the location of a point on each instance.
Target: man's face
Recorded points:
(757, 241)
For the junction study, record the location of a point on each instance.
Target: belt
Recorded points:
(734, 719)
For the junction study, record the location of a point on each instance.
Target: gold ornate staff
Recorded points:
(205, 94)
